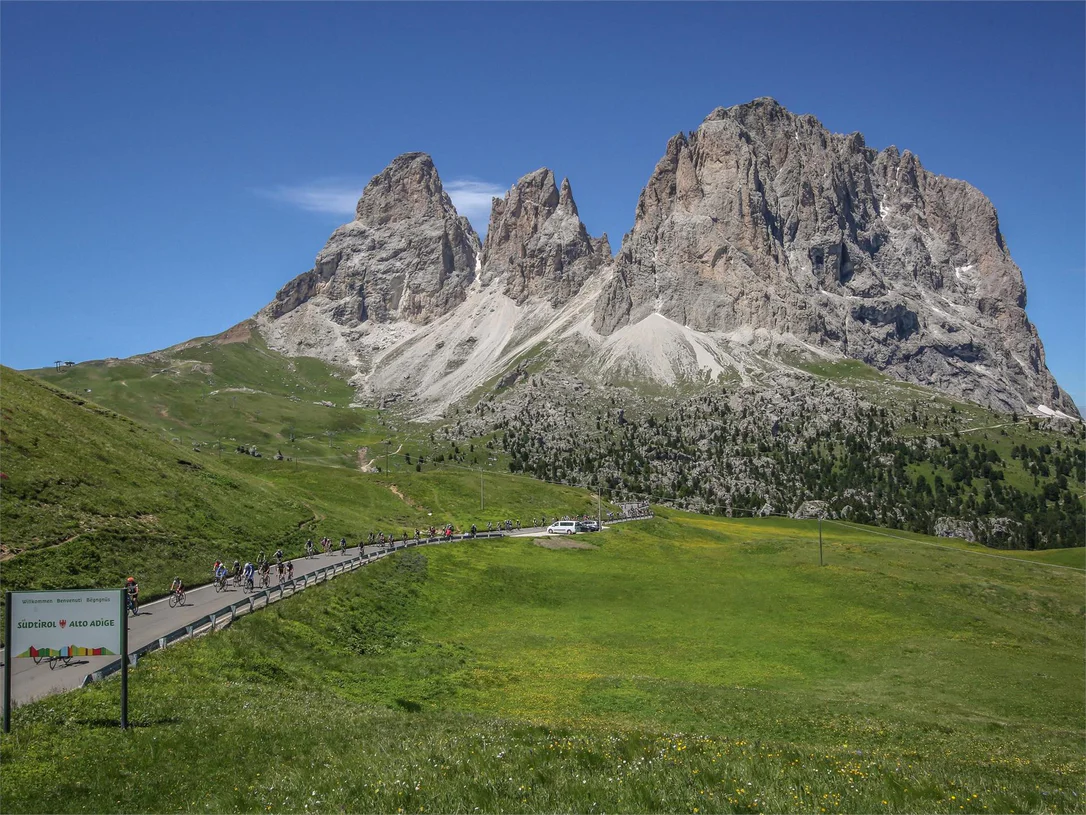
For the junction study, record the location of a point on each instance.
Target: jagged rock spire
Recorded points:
(536, 243)
(407, 255)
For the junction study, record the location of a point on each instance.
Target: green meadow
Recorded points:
(682, 664)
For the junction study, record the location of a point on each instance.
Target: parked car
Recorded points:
(564, 528)
(590, 526)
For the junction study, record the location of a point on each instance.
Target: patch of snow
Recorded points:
(1045, 410)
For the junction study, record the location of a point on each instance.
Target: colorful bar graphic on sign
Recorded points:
(84, 622)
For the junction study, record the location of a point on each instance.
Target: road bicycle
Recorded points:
(177, 598)
(54, 660)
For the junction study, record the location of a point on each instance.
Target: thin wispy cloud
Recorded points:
(470, 196)
(329, 197)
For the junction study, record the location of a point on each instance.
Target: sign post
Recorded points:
(124, 661)
(7, 662)
(51, 625)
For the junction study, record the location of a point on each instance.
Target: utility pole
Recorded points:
(820, 540)
(480, 489)
(599, 507)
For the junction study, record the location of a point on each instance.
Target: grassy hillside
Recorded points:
(90, 496)
(686, 664)
(232, 390)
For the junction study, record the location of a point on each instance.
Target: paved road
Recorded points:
(157, 619)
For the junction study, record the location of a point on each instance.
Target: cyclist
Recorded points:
(343, 546)
(176, 587)
(220, 573)
(278, 555)
(248, 572)
(236, 574)
(261, 560)
(290, 570)
(282, 570)
(309, 548)
(132, 595)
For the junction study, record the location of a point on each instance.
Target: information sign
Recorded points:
(81, 623)
(42, 625)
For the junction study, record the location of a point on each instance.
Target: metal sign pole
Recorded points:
(124, 661)
(7, 661)
(819, 540)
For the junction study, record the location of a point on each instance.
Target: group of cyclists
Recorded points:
(326, 546)
(247, 576)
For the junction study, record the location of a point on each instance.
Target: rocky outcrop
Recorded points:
(764, 220)
(536, 245)
(407, 255)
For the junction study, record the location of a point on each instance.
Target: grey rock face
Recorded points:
(407, 255)
(764, 219)
(537, 244)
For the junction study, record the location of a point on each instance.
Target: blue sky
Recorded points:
(165, 168)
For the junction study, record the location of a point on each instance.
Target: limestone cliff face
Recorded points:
(536, 245)
(407, 255)
(763, 219)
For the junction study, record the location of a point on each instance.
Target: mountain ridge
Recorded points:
(758, 234)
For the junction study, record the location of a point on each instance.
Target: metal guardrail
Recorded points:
(249, 604)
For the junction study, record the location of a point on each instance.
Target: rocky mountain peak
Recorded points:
(764, 221)
(536, 244)
(407, 188)
(407, 255)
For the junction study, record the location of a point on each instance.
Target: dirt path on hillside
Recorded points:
(368, 466)
(316, 519)
(363, 465)
(7, 552)
(396, 491)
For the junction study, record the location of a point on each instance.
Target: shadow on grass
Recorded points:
(408, 705)
(110, 723)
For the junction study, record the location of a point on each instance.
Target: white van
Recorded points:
(564, 528)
